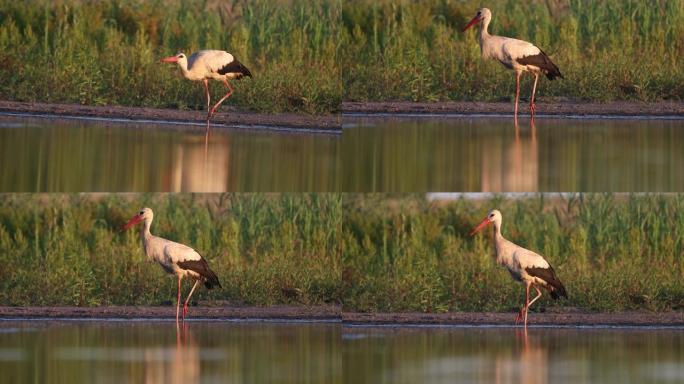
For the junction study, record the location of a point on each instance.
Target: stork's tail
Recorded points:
(552, 70)
(211, 280)
(241, 70)
(557, 290)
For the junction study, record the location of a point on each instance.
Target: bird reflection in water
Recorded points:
(182, 365)
(193, 168)
(514, 168)
(529, 367)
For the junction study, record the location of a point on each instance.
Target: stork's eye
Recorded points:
(142, 213)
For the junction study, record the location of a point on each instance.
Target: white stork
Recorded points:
(175, 258)
(514, 54)
(524, 265)
(210, 64)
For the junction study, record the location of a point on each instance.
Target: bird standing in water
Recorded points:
(210, 64)
(518, 55)
(175, 258)
(524, 265)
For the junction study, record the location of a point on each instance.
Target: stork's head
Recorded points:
(482, 15)
(144, 215)
(494, 216)
(179, 59)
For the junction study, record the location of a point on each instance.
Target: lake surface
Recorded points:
(506, 355)
(66, 155)
(149, 351)
(405, 154)
(158, 352)
(399, 154)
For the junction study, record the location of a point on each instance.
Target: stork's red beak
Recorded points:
(170, 59)
(479, 227)
(133, 221)
(474, 21)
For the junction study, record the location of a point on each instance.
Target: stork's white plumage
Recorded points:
(517, 55)
(524, 265)
(175, 258)
(210, 64)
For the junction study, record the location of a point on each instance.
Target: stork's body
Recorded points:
(208, 65)
(524, 265)
(517, 55)
(175, 258)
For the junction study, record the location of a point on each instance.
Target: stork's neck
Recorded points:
(498, 241)
(484, 32)
(183, 65)
(145, 234)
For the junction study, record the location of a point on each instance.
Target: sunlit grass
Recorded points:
(107, 52)
(403, 253)
(266, 249)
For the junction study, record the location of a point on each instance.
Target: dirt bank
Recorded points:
(615, 108)
(219, 311)
(212, 311)
(225, 116)
(560, 319)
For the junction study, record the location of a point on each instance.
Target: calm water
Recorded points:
(371, 155)
(255, 352)
(156, 352)
(481, 355)
(45, 155)
(484, 155)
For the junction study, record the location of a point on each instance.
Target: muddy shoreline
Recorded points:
(279, 312)
(229, 116)
(575, 318)
(559, 109)
(216, 311)
(226, 116)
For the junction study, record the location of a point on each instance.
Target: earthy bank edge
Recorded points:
(333, 312)
(226, 116)
(616, 108)
(323, 312)
(491, 318)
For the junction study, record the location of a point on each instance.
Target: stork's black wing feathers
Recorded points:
(555, 287)
(542, 61)
(200, 266)
(235, 67)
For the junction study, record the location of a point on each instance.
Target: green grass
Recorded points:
(402, 253)
(107, 52)
(607, 50)
(266, 249)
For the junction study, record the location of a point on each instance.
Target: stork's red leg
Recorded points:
(179, 297)
(185, 306)
(533, 107)
(521, 313)
(206, 92)
(539, 294)
(517, 93)
(230, 92)
(527, 300)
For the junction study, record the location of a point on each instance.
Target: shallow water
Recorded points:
(279, 352)
(62, 155)
(158, 352)
(395, 154)
(466, 154)
(506, 355)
